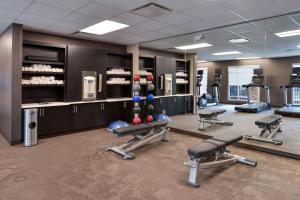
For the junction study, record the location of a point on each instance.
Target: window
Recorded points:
(296, 91)
(203, 88)
(237, 77)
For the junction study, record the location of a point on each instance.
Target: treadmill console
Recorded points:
(258, 77)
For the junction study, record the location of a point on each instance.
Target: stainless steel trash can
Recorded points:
(30, 127)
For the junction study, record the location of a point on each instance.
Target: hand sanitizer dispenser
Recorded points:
(168, 84)
(89, 86)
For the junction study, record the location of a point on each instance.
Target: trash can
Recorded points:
(30, 127)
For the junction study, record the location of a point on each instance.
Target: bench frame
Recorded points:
(206, 122)
(139, 140)
(273, 130)
(220, 158)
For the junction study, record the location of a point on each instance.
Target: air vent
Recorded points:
(151, 10)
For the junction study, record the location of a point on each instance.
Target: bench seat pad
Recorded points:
(202, 150)
(268, 121)
(227, 138)
(136, 129)
(211, 112)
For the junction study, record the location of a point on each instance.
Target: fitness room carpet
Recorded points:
(243, 123)
(76, 167)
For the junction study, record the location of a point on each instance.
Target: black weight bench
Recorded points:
(142, 134)
(209, 117)
(271, 126)
(212, 153)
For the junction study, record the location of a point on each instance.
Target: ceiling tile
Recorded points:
(175, 18)
(152, 25)
(18, 5)
(34, 20)
(98, 10)
(173, 30)
(180, 4)
(82, 19)
(47, 11)
(240, 4)
(122, 4)
(196, 25)
(260, 11)
(129, 19)
(288, 5)
(65, 4)
(133, 30)
(8, 14)
(154, 35)
(69, 26)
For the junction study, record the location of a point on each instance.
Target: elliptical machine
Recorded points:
(207, 99)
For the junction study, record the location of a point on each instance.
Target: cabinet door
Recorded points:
(165, 65)
(180, 105)
(87, 115)
(157, 106)
(84, 59)
(119, 110)
(189, 104)
(53, 120)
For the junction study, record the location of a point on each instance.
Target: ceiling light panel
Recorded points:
(104, 27)
(288, 33)
(226, 53)
(248, 58)
(239, 40)
(201, 61)
(194, 46)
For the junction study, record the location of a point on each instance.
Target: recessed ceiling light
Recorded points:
(248, 58)
(104, 27)
(226, 53)
(201, 61)
(288, 33)
(194, 46)
(298, 46)
(239, 40)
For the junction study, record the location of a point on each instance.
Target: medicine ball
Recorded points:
(150, 87)
(136, 120)
(136, 99)
(149, 118)
(136, 109)
(136, 77)
(150, 97)
(150, 107)
(149, 78)
(136, 87)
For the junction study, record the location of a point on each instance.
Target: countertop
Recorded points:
(52, 104)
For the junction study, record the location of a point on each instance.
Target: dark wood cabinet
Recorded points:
(84, 59)
(165, 65)
(87, 115)
(119, 110)
(52, 120)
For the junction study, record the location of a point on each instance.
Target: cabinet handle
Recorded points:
(125, 104)
(175, 99)
(40, 112)
(103, 106)
(43, 112)
(76, 109)
(100, 83)
(73, 109)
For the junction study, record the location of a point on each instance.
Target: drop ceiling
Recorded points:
(68, 16)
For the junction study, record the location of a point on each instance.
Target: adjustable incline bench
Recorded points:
(270, 124)
(142, 134)
(209, 117)
(212, 153)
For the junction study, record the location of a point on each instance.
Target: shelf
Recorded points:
(150, 69)
(118, 74)
(182, 83)
(43, 62)
(118, 84)
(41, 85)
(42, 73)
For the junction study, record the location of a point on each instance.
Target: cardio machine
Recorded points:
(206, 100)
(258, 80)
(290, 110)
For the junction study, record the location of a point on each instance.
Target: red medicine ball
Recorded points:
(136, 77)
(149, 118)
(136, 121)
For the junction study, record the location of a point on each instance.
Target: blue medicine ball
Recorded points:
(162, 118)
(117, 124)
(150, 97)
(136, 99)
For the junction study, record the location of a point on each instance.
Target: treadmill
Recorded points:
(258, 80)
(290, 110)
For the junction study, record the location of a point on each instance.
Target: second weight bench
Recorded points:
(212, 153)
(142, 135)
(209, 117)
(270, 124)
